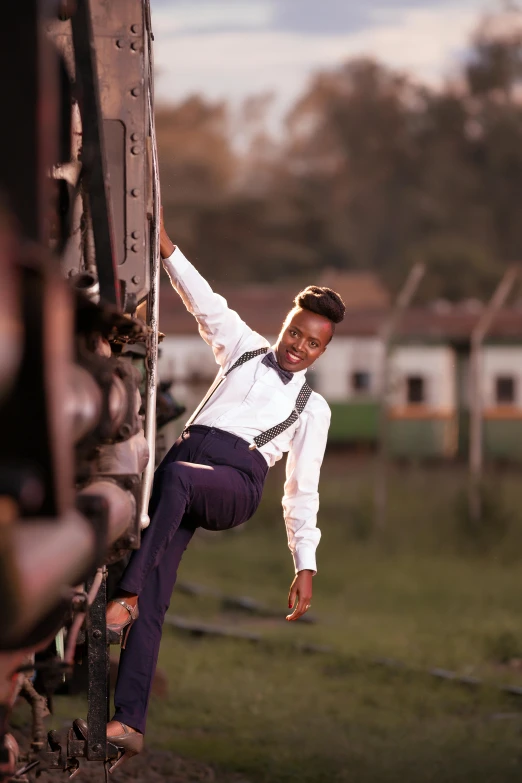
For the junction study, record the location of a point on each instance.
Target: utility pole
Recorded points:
(478, 335)
(387, 332)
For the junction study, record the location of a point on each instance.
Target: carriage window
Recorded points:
(505, 389)
(415, 390)
(361, 382)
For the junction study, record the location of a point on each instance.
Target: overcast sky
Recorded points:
(233, 48)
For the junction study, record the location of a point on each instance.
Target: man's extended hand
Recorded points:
(300, 595)
(167, 247)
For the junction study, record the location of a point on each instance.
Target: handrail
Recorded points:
(152, 306)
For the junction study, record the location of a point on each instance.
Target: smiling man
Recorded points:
(258, 408)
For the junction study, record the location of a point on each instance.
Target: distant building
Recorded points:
(359, 290)
(428, 398)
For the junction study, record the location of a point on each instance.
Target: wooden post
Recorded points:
(387, 332)
(475, 390)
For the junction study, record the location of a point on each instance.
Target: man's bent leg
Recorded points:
(170, 498)
(139, 659)
(214, 497)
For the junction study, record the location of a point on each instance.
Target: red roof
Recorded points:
(264, 308)
(457, 323)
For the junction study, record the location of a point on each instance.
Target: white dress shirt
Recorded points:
(253, 398)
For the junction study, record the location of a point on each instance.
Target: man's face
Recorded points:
(302, 340)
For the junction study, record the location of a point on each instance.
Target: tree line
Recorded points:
(373, 171)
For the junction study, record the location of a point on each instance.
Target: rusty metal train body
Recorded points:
(79, 265)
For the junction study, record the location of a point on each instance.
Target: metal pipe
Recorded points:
(88, 284)
(120, 503)
(38, 559)
(11, 681)
(131, 456)
(117, 402)
(72, 256)
(74, 630)
(11, 327)
(478, 335)
(152, 321)
(83, 404)
(406, 294)
(39, 710)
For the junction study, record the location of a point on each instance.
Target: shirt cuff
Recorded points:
(304, 559)
(176, 264)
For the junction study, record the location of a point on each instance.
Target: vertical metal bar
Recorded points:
(93, 153)
(29, 127)
(388, 330)
(475, 431)
(98, 670)
(478, 335)
(152, 319)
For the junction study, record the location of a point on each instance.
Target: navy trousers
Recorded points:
(208, 479)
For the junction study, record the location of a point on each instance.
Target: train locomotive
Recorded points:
(79, 264)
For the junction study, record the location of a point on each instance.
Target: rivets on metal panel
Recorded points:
(135, 46)
(120, 43)
(136, 279)
(135, 150)
(135, 192)
(135, 235)
(135, 137)
(134, 248)
(135, 92)
(135, 28)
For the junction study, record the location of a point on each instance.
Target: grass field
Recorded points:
(431, 590)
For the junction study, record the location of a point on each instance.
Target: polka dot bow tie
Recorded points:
(270, 361)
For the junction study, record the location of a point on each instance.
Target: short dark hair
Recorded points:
(323, 301)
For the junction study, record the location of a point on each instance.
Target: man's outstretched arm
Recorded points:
(219, 326)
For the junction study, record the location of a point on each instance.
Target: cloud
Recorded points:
(422, 41)
(340, 15)
(182, 17)
(329, 17)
